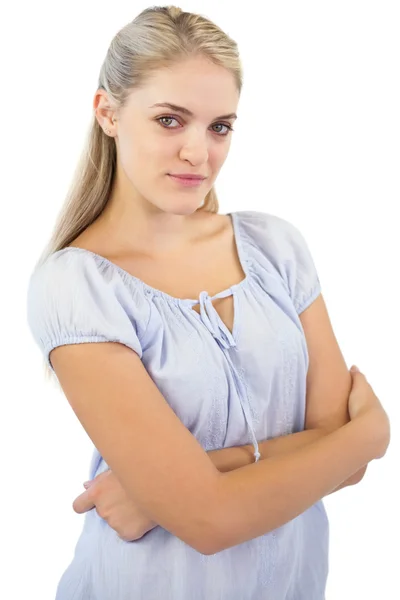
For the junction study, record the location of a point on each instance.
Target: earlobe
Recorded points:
(109, 131)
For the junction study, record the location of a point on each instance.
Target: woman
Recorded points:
(215, 344)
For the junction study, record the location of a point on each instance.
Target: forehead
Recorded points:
(196, 84)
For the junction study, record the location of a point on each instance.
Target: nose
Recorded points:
(195, 148)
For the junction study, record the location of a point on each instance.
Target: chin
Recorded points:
(182, 208)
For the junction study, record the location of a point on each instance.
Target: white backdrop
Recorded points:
(316, 142)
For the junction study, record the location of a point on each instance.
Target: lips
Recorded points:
(183, 176)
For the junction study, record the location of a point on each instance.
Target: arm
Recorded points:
(174, 482)
(158, 462)
(329, 383)
(327, 391)
(230, 459)
(258, 498)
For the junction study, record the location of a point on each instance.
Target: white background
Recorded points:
(316, 142)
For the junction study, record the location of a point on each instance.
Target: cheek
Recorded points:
(218, 155)
(137, 158)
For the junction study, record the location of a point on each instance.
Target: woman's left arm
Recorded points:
(229, 459)
(329, 381)
(328, 388)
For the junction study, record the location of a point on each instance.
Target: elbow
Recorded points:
(209, 539)
(206, 549)
(217, 539)
(357, 477)
(222, 530)
(211, 529)
(212, 545)
(207, 543)
(198, 532)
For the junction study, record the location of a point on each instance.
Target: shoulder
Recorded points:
(67, 281)
(274, 242)
(73, 297)
(279, 238)
(77, 276)
(66, 267)
(268, 223)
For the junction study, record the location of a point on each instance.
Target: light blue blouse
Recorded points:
(228, 389)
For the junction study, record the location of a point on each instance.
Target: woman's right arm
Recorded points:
(169, 476)
(263, 496)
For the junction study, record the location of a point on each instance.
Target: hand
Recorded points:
(107, 496)
(363, 403)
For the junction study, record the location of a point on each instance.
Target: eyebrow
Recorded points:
(188, 112)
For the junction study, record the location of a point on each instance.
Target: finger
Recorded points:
(97, 479)
(356, 373)
(83, 503)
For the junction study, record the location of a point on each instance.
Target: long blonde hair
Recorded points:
(159, 36)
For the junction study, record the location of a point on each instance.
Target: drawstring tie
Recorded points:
(221, 333)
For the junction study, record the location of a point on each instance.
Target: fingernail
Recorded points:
(86, 484)
(354, 369)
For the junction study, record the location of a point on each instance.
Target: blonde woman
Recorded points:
(194, 347)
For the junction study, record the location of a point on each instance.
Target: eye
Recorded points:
(170, 118)
(229, 128)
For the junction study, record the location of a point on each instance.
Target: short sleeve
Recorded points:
(72, 300)
(275, 243)
(302, 276)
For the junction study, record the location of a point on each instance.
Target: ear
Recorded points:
(104, 112)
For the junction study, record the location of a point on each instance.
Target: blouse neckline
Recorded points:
(156, 292)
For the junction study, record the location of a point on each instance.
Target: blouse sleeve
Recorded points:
(300, 270)
(71, 300)
(277, 242)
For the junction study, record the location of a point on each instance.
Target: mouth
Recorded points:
(187, 180)
(187, 176)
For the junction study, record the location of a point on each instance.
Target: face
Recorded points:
(156, 142)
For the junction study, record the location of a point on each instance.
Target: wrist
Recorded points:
(290, 442)
(231, 458)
